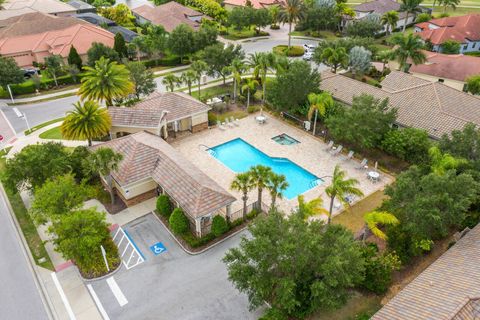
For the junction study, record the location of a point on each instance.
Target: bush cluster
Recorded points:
(295, 51)
(219, 225)
(164, 206)
(178, 221)
(166, 61)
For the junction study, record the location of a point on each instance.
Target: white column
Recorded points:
(198, 226)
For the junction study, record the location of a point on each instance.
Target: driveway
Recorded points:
(172, 284)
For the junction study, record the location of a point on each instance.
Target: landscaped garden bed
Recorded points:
(294, 51)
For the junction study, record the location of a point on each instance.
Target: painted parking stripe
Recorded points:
(71, 315)
(117, 292)
(98, 303)
(134, 244)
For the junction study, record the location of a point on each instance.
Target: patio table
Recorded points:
(373, 175)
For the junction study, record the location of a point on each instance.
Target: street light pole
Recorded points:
(10, 91)
(26, 120)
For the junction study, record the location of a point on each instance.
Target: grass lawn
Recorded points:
(28, 228)
(27, 132)
(352, 218)
(358, 304)
(53, 133)
(328, 35)
(213, 91)
(236, 114)
(234, 34)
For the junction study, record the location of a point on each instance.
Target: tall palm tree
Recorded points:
(410, 7)
(374, 219)
(335, 57)
(85, 122)
(341, 187)
(312, 208)
(250, 84)
(106, 81)
(260, 176)
(199, 67)
(390, 20)
(188, 77)
(319, 103)
(274, 13)
(292, 12)
(408, 47)
(276, 185)
(103, 161)
(170, 81)
(449, 3)
(243, 183)
(238, 67)
(261, 62)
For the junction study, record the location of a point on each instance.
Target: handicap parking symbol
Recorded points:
(158, 248)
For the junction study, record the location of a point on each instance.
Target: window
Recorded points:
(473, 45)
(441, 80)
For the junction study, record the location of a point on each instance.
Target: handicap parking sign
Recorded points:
(158, 248)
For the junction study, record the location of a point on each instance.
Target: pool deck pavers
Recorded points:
(309, 153)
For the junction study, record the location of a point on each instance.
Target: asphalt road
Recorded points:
(19, 295)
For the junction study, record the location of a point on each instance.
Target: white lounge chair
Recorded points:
(362, 164)
(220, 125)
(329, 145)
(348, 156)
(234, 121)
(230, 124)
(334, 152)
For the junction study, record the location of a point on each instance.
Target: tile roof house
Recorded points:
(422, 104)
(257, 4)
(160, 113)
(463, 29)
(150, 165)
(32, 37)
(169, 15)
(13, 8)
(449, 289)
(450, 69)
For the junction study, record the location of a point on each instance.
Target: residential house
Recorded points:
(422, 104)
(257, 4)
(150, 166)
(448, 289)
(31, 37)
(110, 25)
(14, 8)
(160, 114)
(450, 69)
(169, 15)
(463, 29)
(82, 7)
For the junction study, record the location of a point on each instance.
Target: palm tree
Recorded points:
(335, 57)
(277, 183)
(106, 81)
(410, 6)
(237, 68)
(374, 219)
(250, 84)
(188, 77)
(311, 208)
(390, 19)
(260, 176)
(384, 56)
(243, 183)
(449, 3)
(170, 81)
(199, 67)
(103, 161)
(408, 47)
(261, 62)
(292, 12)
(274, 13)
(319, 103)
(340, 188)
(86, 122)
(442, 162)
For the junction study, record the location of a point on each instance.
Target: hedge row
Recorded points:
(167, 61)
(28, 87)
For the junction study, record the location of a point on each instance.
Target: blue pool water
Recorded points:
(240, 156)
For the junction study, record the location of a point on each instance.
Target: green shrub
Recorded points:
(178, 221)
(164, 206)
(374, 82)
(196, 242)
(409, 144)
(252, 109)
(168, 61)
(23, 88)
(252, 214)
(423, 17)
(212, 119)
(219, 225)
(235, 223)
(295, 51)
(96, 267)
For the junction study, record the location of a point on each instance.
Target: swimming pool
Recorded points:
(240, 156)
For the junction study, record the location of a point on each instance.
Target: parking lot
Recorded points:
(169, 283)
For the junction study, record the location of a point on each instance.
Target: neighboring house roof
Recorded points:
(422, 104)
(447, 290)
(448, 66)
(127, 34)
(148, 112)
(81, 6)
(146, 155)
(170, 15)
(460, 29)
(97, 20)
(378, 6)
(257, 4)
(13, 8)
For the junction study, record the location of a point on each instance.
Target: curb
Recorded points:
(111, 273)
(32, 265)
(203, 250)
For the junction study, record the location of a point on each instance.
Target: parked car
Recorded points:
(28, 73)
(308, 55)
(309, 47)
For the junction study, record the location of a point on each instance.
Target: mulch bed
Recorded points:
(118, 206)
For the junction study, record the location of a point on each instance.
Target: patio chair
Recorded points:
(348, 156)
(230, 124)
(336, 151)
(220, 125)
(329, 145)
(235, 122)
(362, 164)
